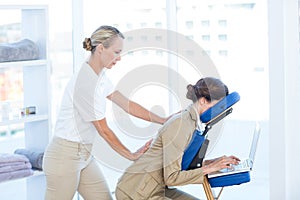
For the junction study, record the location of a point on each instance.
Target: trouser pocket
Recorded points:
(147, 187)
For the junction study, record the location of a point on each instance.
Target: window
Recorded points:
(159, 52)
(210, 25)
(190, 52)
(143, 25)
(222, 23)
(189, 24)
(158, 38)
(223, 52)
(212, 31)
(191, 37)
(222, 37)
(158, 25)
(129, 16)
(206, 52)
(206, 37)
(129, 39)
(128, 26)
(205, 23)
(144, 38)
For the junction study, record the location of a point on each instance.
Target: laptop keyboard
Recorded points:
(245, 164)
(242, 165)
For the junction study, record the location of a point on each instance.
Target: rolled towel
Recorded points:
(35, 157)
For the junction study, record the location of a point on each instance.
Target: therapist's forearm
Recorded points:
(109, 136)
(135, 109)
(142, 113)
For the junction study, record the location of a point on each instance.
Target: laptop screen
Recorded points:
(254, 142)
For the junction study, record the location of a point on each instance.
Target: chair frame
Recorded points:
(210, 118)
(208, 190)
(206, 186)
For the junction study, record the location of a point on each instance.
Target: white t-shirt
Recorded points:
(84, 101)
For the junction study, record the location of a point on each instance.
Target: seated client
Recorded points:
(151, 176)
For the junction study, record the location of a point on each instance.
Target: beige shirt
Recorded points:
(160, 166)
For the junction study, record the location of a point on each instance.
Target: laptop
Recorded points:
(244, 165)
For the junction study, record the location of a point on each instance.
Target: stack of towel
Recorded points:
(24, 49)
(35, 157)
(14, 166)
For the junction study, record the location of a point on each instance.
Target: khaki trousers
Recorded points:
(70, 167)
(169, 194)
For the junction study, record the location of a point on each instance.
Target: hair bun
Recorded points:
(191, 92)
(87, 44)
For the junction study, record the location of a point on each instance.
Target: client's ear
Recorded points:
(202, 101)
(203, 104)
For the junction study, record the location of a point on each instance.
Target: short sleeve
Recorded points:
(104, 88)
(90, 92)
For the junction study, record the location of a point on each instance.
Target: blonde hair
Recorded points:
(103, 35)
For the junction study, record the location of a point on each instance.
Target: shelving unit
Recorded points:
(23, 63)
(27, 119)
(36, 92)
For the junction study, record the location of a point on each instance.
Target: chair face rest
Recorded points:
(220, 107)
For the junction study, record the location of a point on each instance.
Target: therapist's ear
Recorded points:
(100, 48)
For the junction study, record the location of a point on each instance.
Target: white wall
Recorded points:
(284, 99)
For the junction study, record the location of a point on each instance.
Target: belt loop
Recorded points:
(78, 149)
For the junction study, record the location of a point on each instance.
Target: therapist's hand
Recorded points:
(167, 118)
(136, 155)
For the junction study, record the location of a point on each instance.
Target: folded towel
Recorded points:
(8, 158)
(15, 174)
(22, 50)
(14, 166)
(35, 157)
(12, 163)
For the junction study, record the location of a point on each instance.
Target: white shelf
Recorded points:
(29, 118)
(23, 63)
(10, 7)
(35, 174)
(36, 91)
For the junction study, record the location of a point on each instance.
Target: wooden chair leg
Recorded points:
(207, 189)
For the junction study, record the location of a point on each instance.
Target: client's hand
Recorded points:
(141, 151)
(219, 163)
